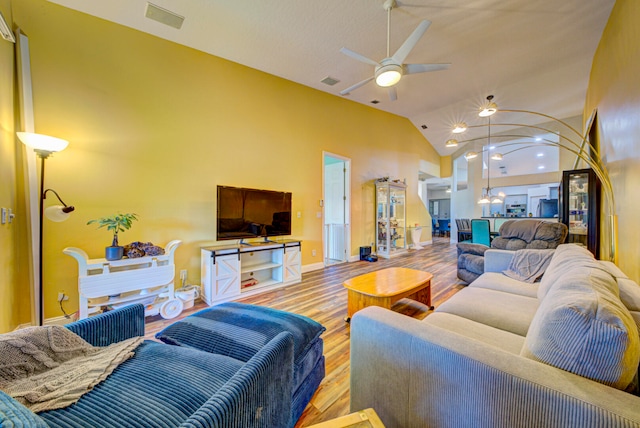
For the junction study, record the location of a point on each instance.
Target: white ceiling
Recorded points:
(533, 55)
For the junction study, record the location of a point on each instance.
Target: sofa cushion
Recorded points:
(504, 311)
(474, 330)
(499, 282)
(582, 327)
(567, 257)
(160, 386)
(531, 234)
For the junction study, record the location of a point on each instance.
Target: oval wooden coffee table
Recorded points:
(387, 286)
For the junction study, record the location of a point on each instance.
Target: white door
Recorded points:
(336, 234)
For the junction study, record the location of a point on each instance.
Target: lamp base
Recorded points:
(113, 253)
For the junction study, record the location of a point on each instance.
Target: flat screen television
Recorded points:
(252, 213)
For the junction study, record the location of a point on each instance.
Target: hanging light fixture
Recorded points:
(487, 111)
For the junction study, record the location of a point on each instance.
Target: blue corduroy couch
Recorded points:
(172, 386)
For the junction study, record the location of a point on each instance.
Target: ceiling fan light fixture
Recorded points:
(388, 75)
(459, 128)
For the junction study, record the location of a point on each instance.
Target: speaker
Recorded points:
(365, 252)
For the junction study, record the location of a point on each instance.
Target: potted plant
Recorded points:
(115, 223)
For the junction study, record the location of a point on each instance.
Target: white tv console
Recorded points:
(231, 271)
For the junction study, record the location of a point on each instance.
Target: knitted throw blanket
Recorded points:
(47, 368)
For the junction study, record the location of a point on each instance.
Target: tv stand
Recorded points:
(233, 271)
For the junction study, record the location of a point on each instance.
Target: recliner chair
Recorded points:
(514, 235)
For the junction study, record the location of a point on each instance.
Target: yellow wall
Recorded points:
(14, 279)
(615, 92)
(154, 127)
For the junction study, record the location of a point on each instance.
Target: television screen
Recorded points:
(250, 213)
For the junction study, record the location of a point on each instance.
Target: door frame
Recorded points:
(347, 176)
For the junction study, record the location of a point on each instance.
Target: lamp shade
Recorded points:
(451, 142)
(42, 142)
(488, 110)
(58, 213)
(459, 128)
(388, 75)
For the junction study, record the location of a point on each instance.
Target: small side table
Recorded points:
(366, 418)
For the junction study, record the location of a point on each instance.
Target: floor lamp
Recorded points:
(571, 140)
(44, 146)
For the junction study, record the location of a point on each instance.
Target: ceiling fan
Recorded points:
(390, 70)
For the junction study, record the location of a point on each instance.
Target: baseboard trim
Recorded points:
(312, 267)
(62, 320)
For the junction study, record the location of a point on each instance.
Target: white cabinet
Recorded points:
(105, 285)
(229, 272)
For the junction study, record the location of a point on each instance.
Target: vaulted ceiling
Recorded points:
(533, 55)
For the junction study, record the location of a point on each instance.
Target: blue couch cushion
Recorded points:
(239, 330)
(161, 386)
(14, 415)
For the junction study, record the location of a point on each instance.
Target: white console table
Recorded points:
(147, 280)
(231, 271)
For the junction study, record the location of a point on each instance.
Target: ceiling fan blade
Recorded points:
(421, 68)
(356, 86)
(412, 40)
(358, 57)
(393, 93)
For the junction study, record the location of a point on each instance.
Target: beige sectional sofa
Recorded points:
(561, 352)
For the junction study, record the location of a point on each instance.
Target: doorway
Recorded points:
(336, 235)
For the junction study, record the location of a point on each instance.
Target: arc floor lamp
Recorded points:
(44, 146)
(571, 140)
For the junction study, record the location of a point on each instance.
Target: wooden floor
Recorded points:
(322, 297)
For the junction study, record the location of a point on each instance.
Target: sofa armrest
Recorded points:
(111, 327)
(416, 374)
(497, 260)
(468, 248)
(14, 414)
(257, 396)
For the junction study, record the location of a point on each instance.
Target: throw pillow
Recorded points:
(528, 265)
(582, 327)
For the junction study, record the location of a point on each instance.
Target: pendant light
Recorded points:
(489, 109)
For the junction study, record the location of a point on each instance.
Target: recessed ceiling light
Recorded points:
(538, 139)
(540, 155)
(541, 167)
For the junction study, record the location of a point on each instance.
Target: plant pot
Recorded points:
(113, 253)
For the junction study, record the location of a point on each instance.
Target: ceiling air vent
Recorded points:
(164, 16)
(329, 81)
(375, 102)
(423, 126)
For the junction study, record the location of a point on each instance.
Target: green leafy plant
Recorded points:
(116, 223)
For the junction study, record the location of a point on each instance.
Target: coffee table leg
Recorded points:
(424, 296)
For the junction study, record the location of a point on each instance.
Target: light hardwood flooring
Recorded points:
(322, 297)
